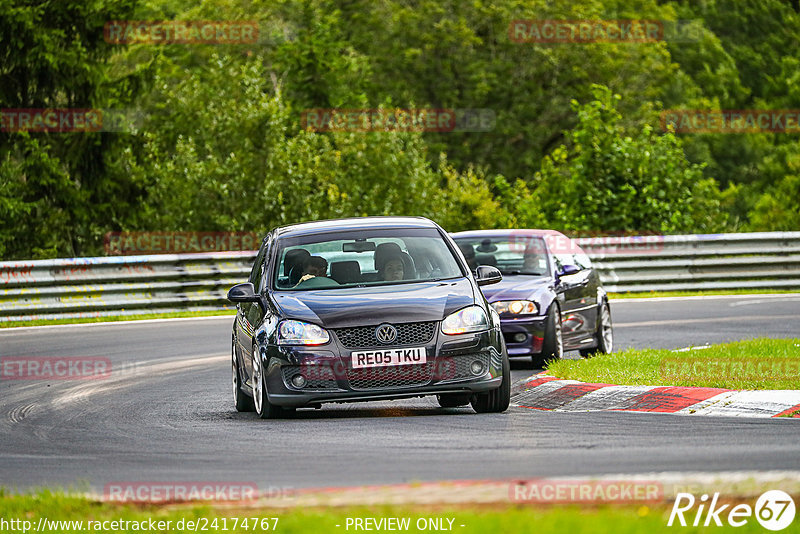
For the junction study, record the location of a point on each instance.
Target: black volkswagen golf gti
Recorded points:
(363, 309)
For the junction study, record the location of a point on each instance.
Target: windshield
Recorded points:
(363, 258)
(512, 254)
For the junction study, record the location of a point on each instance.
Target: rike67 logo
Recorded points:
(774, 510)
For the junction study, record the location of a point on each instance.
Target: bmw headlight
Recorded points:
(470, 319)
(516, 307)
(292, 332)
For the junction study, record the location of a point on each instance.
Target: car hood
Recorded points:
(403, 303)
(516, 287)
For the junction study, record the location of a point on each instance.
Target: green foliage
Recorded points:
(778, 208)
(54, 186)
(231, 158)
(220, 145)
(607, 181)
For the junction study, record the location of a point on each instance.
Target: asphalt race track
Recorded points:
(165, 414)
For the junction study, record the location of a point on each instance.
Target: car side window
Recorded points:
(257, 271)
(583, 261)
(562, 259)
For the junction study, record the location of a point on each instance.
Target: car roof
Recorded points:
(508, 231)
(353, 223)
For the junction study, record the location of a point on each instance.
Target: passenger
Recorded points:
(314, 266)
(393, 270)
(531, 262)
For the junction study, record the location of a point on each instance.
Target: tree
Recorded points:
(604, 180)
(53, 185)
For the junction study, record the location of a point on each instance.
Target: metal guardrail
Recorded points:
(119, 285)
(764, 260)
(126, 285)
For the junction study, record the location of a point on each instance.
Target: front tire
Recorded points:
(553, 344)
(263, 407)
(604, 335)
(242, 402)
(497, 400)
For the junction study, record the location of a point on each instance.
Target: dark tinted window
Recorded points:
(363, 257)
(512, 254)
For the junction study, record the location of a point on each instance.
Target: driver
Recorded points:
(314, 266)
(393, 269)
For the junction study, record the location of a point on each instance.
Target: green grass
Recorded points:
(539, 519)
(650, 294)
(115, 318)
(753, 364)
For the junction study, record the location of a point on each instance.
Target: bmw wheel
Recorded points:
(604, 335)
(553, 345)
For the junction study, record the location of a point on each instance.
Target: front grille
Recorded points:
(362, 337)
(317, 376)
(390, 376)
(457, 368)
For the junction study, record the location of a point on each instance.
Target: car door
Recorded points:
(589, 281)
(578, 314)
(249, 314)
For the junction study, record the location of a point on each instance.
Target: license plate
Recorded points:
(386, 357)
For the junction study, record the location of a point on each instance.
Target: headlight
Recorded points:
(471, 319)
(300, 333)
(516, 307)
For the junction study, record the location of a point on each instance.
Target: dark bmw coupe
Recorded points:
(550, 299)
(365, 309)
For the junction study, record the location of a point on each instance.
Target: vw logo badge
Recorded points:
(386, 333)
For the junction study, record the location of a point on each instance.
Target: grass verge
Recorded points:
(116, 318)
(710, 293)
(752, 364)
(539, 519)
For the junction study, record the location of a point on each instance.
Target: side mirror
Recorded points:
(243, 293)
(567, 270)
(486, 274)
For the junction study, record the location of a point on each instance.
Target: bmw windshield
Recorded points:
(363, 258)
(512, 254)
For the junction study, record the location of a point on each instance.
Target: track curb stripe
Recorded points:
(549, 393)
(793, 412)
(671, 399)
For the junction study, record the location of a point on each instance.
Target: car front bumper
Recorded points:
(329, 376)
(524, 336)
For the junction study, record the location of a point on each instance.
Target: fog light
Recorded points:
(298, 381)
(476, 368)
(519, 338)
